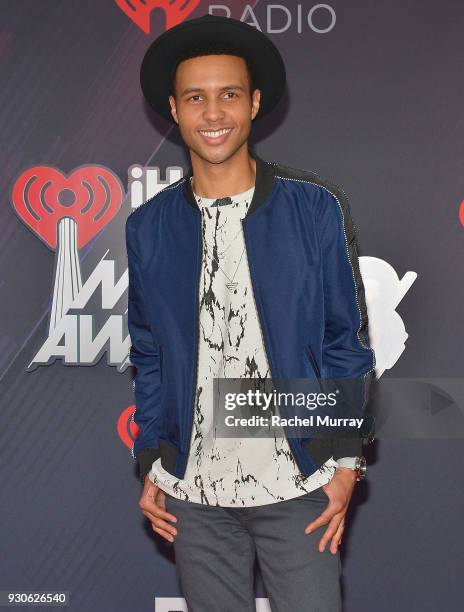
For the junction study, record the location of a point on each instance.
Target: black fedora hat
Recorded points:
(215, 33)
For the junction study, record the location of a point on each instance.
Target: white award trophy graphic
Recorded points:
(68, 281)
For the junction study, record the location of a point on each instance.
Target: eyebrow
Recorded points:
(192, 89)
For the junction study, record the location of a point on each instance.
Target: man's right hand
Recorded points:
(152, 503)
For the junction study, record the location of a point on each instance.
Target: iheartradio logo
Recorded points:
(43, 196)
(175, 11)
(279, 18)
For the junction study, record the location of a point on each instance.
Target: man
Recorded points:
(241, 269)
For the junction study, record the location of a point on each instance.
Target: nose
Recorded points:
(213, 111)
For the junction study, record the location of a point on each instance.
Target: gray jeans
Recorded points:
(215, 549)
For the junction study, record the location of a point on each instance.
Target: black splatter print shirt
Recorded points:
(232, 471)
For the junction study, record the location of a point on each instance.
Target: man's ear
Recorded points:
(255, 99)
(172, 103)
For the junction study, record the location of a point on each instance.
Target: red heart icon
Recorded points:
(91, 195)
(175, 11)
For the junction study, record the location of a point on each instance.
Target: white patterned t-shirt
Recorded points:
(232, 471)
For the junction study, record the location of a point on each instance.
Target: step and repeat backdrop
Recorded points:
(373, 104)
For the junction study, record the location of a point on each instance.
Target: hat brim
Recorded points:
(214, 32)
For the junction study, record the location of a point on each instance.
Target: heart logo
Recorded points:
(175, 11)
(91, 195)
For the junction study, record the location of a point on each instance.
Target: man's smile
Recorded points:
(215, 136)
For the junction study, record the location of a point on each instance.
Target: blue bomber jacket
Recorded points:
(309, 294)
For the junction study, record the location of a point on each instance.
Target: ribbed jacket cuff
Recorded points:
(145, 458)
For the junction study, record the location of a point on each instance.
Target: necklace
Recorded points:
(216, 256)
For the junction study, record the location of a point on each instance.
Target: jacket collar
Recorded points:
(263, 185)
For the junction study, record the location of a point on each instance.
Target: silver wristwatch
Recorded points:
(361, 467)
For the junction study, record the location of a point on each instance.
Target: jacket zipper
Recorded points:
(200, 266)
(262, 335)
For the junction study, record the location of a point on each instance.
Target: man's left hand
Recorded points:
(339, 491)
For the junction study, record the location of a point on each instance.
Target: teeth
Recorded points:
(215, 134)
